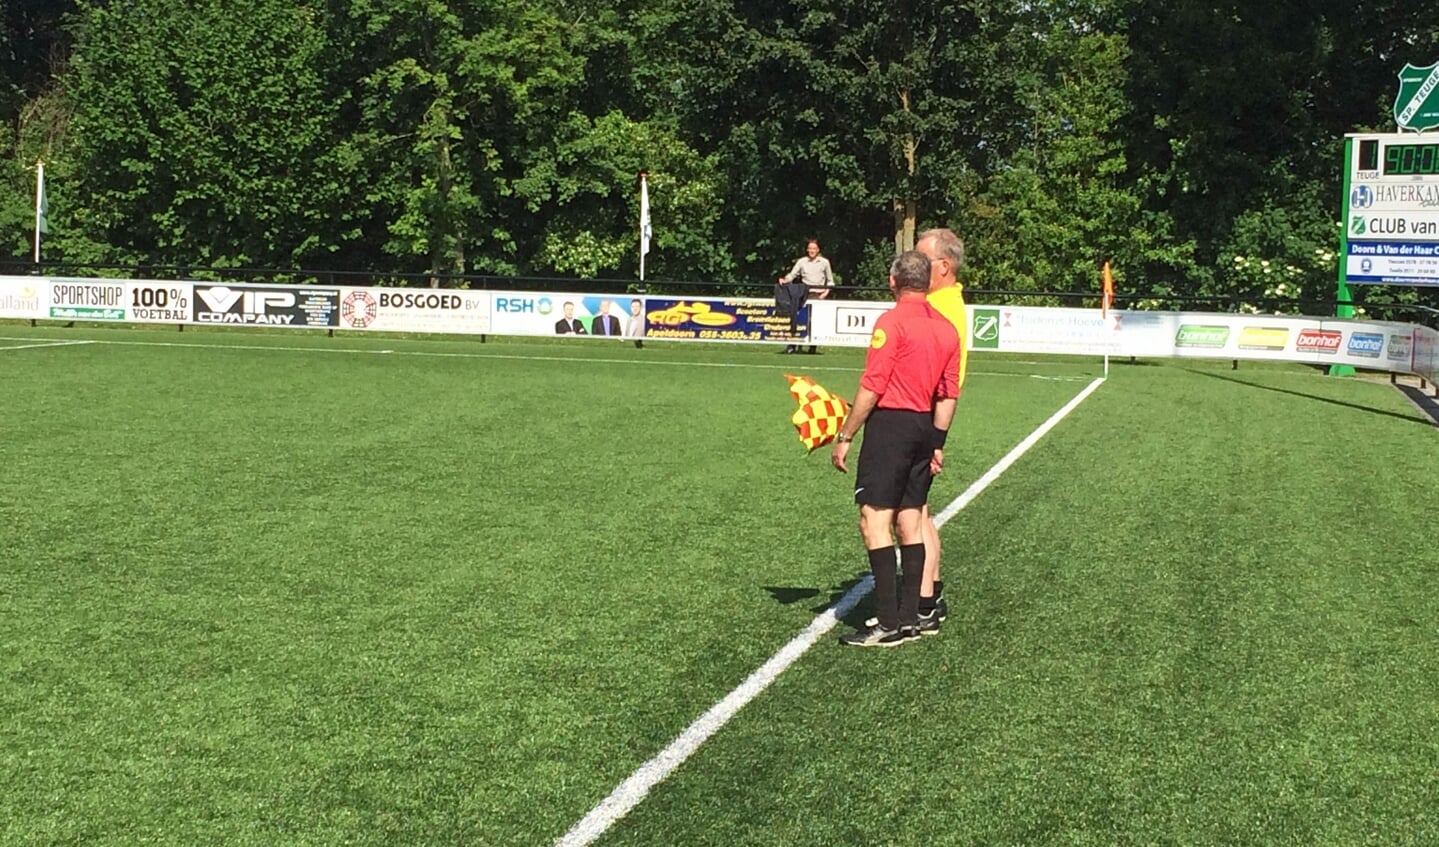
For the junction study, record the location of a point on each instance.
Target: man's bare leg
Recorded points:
(875, 527)
(927, 591)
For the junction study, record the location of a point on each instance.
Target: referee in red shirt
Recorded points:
(905, 401)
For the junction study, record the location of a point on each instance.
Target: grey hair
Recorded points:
(910, 270)
(947, 244)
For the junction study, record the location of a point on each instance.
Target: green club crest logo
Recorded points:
(1416, 108)
(984, 331)
(1356, 225)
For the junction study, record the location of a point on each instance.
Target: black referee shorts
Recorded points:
(894, 460)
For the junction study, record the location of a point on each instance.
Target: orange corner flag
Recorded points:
(1108, 300)
(820, 413)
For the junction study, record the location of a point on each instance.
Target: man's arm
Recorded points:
(826, 277)
(943, 418)
(962, 329)
(951, 379)
(864, 403)
(793, 272)
(944, 414)
(944, 404)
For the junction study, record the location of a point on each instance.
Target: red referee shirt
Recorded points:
(913, 357)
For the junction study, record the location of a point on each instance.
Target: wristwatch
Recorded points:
(843, 439)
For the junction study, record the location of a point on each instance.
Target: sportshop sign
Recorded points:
(86, 300)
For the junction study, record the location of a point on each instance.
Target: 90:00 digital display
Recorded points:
(1405, 159)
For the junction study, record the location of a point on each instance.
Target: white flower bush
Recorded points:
(1276, 280)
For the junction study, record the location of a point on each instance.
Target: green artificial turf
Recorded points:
(279, 588)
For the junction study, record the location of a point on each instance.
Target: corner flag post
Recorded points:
(1106, 301)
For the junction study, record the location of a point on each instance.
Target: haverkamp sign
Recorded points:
(1416, 107)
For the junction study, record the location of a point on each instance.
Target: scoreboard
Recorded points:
(1390, 232)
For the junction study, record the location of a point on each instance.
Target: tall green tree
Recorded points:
(495, 137)
(1237, 117)
(34, 110)
(1177, 138)
(587, 192)
(201, 134)
(403, 61)
(1056, 198)
(742, 90)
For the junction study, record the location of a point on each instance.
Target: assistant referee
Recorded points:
(905, 402)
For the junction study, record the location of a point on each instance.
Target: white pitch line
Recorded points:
(634, 789)
(1013, 455)
(786, 366)
(47, 344)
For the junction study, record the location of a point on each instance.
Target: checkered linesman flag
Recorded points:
(820, 413)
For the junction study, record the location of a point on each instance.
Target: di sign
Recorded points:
(1391, 205)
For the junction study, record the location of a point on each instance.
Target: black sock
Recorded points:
(883, 566)
(911, 558)
(927, 604)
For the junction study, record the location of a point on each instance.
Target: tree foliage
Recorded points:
(1188, 143)
(201, 134)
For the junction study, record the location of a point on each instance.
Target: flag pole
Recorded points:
(39, 204)
(645, 230)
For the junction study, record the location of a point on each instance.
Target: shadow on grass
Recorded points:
(788, 595)
(854, 618)
(1329, 400)
(1426, 404)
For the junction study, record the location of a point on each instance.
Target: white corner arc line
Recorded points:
(46, 344)
(635, 788)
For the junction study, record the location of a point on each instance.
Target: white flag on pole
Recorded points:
(645, 230)
(42, 208)
(42, 203)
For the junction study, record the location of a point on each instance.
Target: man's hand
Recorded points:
(823, 293)
(936, 462)
(836, 456)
